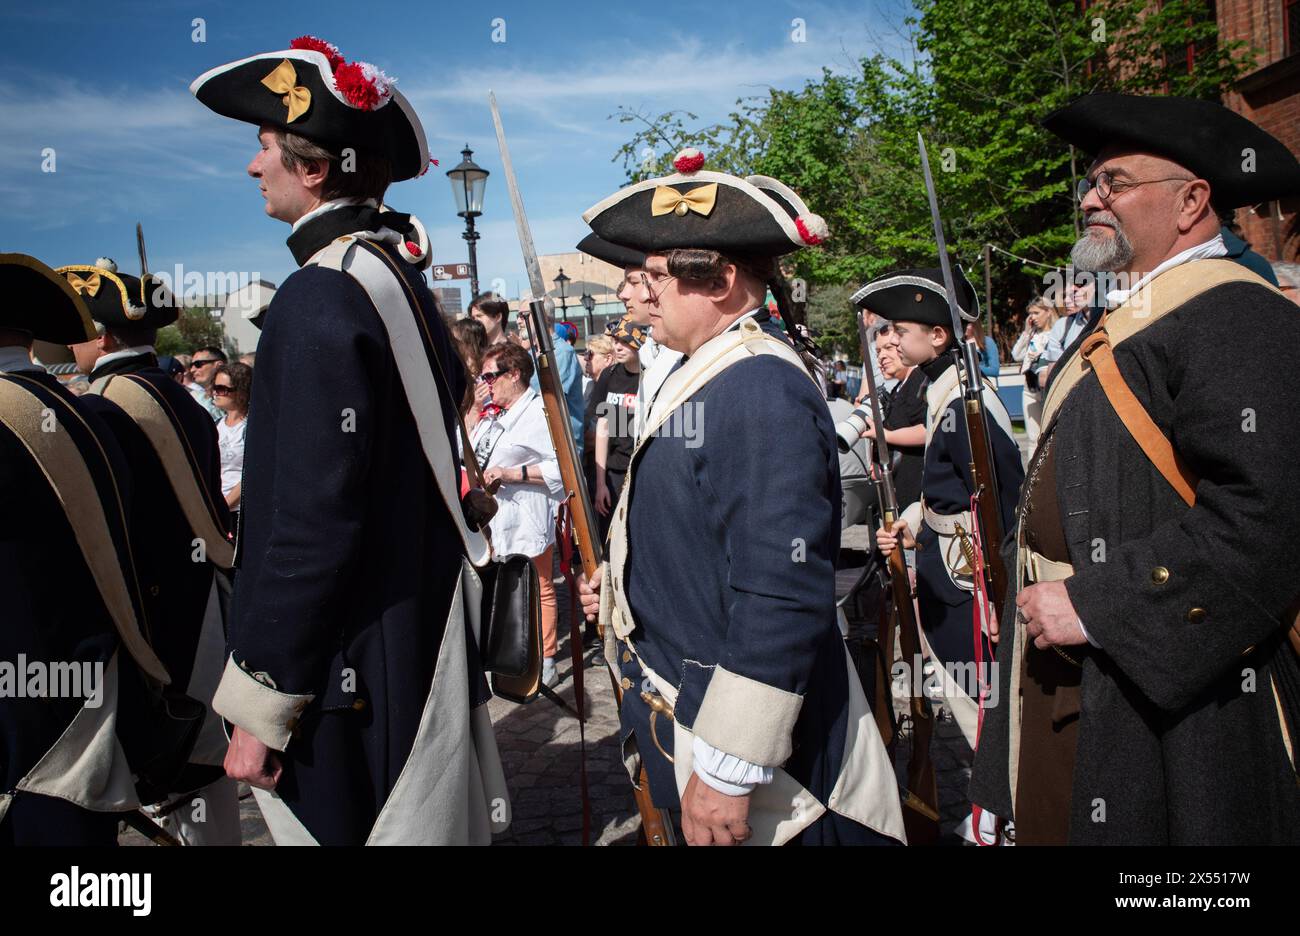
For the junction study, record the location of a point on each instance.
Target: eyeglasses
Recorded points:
(222, 389)
(648, 283)
(195, 365)
(490, 377)
(1107, 185)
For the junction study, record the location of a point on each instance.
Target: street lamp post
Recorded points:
(588, 303)
(467, 183)
(562, 283)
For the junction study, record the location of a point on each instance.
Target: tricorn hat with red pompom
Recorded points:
(757, 216)
(310, 89)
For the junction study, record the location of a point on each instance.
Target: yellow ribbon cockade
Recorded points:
(284, 80)
(670, 201)
(88, 285)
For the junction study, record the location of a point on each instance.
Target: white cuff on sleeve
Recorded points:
(725, 772)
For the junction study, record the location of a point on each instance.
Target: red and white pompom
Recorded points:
(812, 228)
(363, 85)
(328, 49)
(688, 160)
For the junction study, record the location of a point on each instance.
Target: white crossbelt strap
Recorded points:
(389, 295)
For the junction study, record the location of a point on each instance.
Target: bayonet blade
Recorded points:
(517, 203)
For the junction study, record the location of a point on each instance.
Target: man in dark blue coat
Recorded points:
(718, 600)
(348, 628)
(179, 519)
(67, 582)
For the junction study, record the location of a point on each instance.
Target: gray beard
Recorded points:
(1102, 254)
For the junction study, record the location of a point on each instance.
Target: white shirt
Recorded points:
(124, 353)
(331, 205)
(1214, 247)
(525, 517)
(230, 442)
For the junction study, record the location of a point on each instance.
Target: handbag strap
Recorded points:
(1096, 350)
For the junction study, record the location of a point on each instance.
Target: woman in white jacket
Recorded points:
(513, 446)
(1029, 347)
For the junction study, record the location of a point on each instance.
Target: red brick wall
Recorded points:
(1275, 107)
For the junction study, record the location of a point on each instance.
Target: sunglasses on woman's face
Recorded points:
(222, 389)
(490, 377)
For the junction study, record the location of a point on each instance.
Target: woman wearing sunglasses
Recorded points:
(230, 389)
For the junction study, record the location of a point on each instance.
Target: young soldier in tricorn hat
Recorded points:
(719, 594)
(178, 522)
(352, 680)
(1152, 693)
(954, 625)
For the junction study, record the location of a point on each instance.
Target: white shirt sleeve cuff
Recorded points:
(1088, 636)
(726, 773)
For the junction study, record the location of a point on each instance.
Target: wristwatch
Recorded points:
(523, 476)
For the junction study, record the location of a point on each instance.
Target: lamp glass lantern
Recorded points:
(467, 183)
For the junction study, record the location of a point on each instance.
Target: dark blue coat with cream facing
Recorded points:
(732, 531)
(348, 555)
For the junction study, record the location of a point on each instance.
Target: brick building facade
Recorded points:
(1270, 96)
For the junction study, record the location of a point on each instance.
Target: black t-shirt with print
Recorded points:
(614, 398)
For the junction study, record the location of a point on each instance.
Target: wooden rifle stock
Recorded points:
(656, 828)
(921, 796)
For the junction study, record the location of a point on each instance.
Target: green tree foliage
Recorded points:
(194, 329)
(984, 73)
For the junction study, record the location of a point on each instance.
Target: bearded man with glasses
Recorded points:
(1150, 618)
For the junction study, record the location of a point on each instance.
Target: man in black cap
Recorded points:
(76, 665)
(1153, 694)
(352, 679)
(940, 525)
(718, 598)
(178, 520)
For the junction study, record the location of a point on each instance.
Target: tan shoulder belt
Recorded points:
(166, 440)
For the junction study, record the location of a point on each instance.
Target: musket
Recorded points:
(656, 827)
(982, 467)
(921, 795)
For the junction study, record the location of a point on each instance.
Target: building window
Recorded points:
(1185, 56)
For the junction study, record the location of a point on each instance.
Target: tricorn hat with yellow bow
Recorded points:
(120, 300)
(757, 217)
(311, 90)
(39, 301)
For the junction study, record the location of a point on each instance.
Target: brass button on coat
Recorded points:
(359, 705)
(1196, 615)
(1159, 575)
(627, 656)
(625, 683)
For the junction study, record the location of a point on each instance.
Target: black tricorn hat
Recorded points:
(918, 296)
(40, 301)
(1243, 164)
(310, 90)
(691, 208)
(120, 300)
(619, 256)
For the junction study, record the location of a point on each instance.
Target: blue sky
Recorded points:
(106, 87)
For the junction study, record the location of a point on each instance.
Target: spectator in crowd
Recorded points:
(1028, 352)
(598, 356)
(570, 371)
(493, 313)
(990, 363)
(203, 367)
(613, 411)
(513, 448)
(173, 368)
(231, 386)
(1288, 280)
(1239, 251)
(248, 358)
(471, 342)
(184, 361)
(1072, 321)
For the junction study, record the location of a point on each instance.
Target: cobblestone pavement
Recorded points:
(541, 753)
